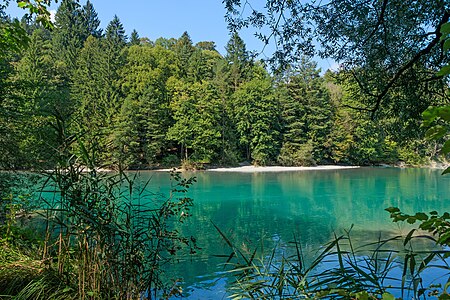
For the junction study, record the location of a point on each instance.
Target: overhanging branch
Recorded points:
(409, 64)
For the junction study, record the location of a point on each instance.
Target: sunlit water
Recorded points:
(270, 208)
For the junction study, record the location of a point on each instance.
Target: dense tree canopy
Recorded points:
(140, 104)
(384, 45)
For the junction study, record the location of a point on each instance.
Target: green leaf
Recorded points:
(444, 112)
(435, 132)
(421, 216)
(387, 296)
(446, 147)
(445, 29)
(411, 220)
(362, 295)
(445, 70)
(409, 237)
(447, 44)
(444, 297)
(22, 4)
(446, 171)
(392, 209)
(429, 115)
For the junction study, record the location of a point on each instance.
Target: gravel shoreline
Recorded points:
(255, 169)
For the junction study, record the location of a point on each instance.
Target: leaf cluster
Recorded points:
(434, 223)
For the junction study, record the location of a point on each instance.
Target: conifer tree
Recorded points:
(206, 45)
(115, 33)
(68, 36)
(134, 38)
(184, 50)
(96, 88)
(144, 116)
(90, 85)
(115, 41)
(307, 116)
(91, 22)
(38, 97)
(238, 60)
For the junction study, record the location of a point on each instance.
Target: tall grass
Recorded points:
(384, 269)
(102, 237)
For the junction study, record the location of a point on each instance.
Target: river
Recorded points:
(269, 209)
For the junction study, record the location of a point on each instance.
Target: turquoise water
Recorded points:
(270, 208)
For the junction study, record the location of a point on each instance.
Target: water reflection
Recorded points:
(269, 208)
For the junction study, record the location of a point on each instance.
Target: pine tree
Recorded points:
(90, 85)
(134, 38)
(307, 116)
(206, 45)
(97, 93)
(91, 22)
(238, 61)
(38, 97)
(184, 50)
(69, 35)
(144, 115)
(229, 143)
(115, 33)
(114, 42)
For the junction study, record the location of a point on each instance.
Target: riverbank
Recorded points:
(258, 169)
(248, 168)
(254, 169)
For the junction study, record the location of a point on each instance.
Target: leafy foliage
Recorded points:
(434, 223)
(145, 103)
(437, 118)
(386, 46)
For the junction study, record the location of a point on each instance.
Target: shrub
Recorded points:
(293, 155)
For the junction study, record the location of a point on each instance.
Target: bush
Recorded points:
(171, 160)
(293, 155)
(410, 157)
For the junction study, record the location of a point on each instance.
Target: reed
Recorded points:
(102, 236)
(389, 268)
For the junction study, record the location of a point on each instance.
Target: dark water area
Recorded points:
(269, 209)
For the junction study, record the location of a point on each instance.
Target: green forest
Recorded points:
(77, 100)
(142, 104)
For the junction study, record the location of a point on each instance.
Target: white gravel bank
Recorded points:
(253, 169)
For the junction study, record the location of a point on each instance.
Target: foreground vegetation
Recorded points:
(390, 268)
(91, 235)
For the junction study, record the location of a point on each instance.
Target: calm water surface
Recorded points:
(313, 205)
